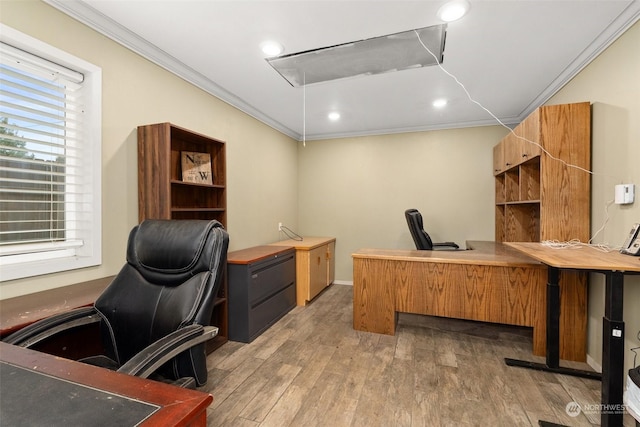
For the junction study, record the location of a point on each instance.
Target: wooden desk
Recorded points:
(40, 389)
(614, 266)
(18, 312)
(490, 283)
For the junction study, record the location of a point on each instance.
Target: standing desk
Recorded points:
(41, 389)
(614, 266)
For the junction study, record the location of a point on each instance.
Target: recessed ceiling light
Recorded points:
(271, 48)
(333, 116)
(453, 10)
(439, 103)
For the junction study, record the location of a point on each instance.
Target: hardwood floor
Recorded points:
(313, 369)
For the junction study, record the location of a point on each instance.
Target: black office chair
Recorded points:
(421, 238)
(154, 314)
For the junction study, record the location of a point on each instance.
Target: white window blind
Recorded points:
(47, 163)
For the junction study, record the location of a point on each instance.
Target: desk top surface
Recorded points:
(41, 378)
(65, 403)
(480, 253)
(579, 257)
(307, 243)
(256, 253)
(17, 312)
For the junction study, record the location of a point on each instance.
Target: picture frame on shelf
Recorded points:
(196, 167)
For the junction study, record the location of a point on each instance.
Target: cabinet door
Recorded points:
(331, 263)
(524, 143)
(530, 146)
(511, 151)
(318, 272)
(498, 158)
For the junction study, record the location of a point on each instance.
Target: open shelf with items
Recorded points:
(164, 193)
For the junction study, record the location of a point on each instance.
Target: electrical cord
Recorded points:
(291, 234)
(577, 244)
(557, 245)
(500, 122)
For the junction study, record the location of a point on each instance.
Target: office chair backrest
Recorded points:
(172, 276)
(420, 237)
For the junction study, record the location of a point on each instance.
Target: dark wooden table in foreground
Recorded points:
(41, 389)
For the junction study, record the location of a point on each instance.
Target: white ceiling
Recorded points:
(510, 55)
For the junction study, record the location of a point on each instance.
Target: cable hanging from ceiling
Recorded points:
(554, 244)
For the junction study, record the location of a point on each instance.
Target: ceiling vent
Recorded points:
(384, 54)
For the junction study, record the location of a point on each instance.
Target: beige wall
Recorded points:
(261, 162)
(612, 84)
(357, 189)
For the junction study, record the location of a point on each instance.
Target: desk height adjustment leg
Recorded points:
(553, 317)
(552, 362)
(612, 352)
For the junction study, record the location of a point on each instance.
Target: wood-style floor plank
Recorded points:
(312, 368)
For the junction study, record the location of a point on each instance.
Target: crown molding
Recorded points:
(615, 29)
(89, 16)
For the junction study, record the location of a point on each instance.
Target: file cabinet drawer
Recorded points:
(269, 277)
(262, 289)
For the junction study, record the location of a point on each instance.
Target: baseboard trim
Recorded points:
(343, 282)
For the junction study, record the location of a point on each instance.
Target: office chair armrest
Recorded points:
(43, 329)
(445, 246)
(148, 360)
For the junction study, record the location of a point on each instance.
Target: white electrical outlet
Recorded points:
(279, 226)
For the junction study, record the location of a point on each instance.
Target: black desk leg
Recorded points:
(612, 352)
(553, 317)
(553, 335)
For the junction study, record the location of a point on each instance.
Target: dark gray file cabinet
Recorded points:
(262, 289)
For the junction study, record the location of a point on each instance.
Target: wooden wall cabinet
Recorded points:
(543, 192)
(544, 195)
(315, 265)
(162, 194)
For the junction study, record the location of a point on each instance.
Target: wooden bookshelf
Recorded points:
(162, 193)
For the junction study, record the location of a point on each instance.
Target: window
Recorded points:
(50, 166)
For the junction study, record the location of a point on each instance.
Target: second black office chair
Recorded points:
(421, 238)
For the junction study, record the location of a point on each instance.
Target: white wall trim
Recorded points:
(343, 282)
(86, 14)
